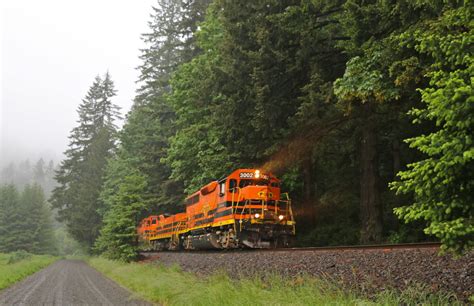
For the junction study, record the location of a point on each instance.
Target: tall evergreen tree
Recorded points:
(80, 175)
(49, 181)
(137, 182)
(36, 215)
(39, 175)
(12, 237)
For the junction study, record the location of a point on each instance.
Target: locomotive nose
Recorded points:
(264, 193)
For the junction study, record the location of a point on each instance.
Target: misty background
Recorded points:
(50, 53)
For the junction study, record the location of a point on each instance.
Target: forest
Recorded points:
(364, 109)
(26, 220)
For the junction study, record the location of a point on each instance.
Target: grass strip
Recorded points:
(17, 266)
(171, 286)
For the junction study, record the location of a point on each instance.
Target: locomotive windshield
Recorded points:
(261, 182)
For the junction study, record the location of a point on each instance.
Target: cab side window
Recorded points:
(222, 188)
(232, 185)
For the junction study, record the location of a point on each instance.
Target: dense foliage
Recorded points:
(25, 221)
(317, 92)
(443, 181)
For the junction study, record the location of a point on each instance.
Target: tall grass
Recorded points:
(171, 286)
(16, 266)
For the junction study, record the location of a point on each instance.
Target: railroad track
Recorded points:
(422, 245)
(364, 247)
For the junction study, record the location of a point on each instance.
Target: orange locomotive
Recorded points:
(244, 209)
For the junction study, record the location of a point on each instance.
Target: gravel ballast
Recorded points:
(369, 270)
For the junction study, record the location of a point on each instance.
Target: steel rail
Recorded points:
(421, 245)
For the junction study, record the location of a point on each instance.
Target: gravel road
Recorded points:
(67, 282)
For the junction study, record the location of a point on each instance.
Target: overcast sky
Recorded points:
(51, 50)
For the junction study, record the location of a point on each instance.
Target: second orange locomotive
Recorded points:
(244, 209)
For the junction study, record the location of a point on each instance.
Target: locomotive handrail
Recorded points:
(233, 190)
(242, 213)
(289, 209)
(238, 201)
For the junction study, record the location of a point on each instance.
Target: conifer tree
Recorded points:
(11, 224)
(36, 217)
(50, 182)
(137, 181)
(39, 172)
(80, 175)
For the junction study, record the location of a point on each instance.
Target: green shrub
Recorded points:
(18, 256)
(16, 266)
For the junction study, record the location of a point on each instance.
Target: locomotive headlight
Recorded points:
(281, 217)
(257, 215)
(257, 173)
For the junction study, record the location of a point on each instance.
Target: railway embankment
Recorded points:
(369, 271)
(173, 286)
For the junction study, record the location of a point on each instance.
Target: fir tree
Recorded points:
(39, 175)
(137, 181)
(12, 236)
(80, 175)
(38, 231)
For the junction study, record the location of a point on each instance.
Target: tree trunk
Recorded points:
(307, 212)
(370, 207)
(396, 157)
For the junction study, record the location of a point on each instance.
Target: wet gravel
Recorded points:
(68, 282)
(370, 270)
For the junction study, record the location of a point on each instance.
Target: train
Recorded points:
(245, 209)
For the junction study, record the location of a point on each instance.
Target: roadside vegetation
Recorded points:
(18, 265)
(172, 286)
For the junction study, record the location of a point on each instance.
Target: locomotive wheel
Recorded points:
(188, 243)
(228, 239)
(284, 241)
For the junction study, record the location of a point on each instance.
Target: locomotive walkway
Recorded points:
(67, 282)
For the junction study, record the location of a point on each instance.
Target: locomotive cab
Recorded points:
(262, 215)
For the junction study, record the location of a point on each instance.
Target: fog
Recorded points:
(51, 50)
